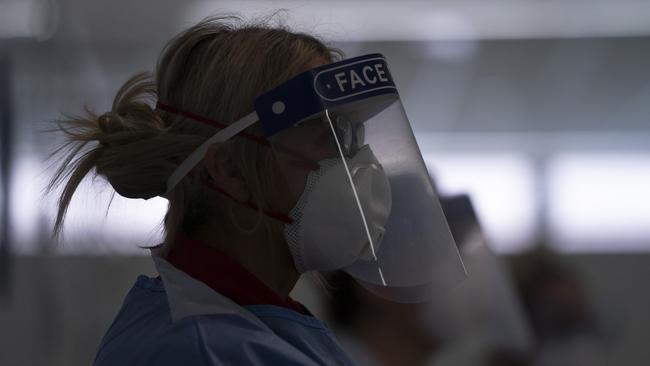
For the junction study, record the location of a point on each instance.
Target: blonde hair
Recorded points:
(214, 69)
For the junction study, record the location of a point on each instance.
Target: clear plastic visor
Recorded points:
(361, 200)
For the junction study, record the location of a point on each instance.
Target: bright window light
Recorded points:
(600, 202)
(89, 226)
(125, 227)
(502, 189)
(24, 203)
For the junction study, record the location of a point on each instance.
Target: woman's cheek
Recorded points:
(290, 178)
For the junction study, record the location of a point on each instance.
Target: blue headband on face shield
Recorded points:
(325, 87)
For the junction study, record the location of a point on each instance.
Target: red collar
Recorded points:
(225, 275)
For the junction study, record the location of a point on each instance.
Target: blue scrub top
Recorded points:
(146, 333)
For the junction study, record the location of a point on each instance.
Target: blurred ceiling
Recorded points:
(357, 20)
(526, 66)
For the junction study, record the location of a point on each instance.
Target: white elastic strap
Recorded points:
(197, 155)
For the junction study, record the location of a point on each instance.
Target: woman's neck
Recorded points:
(269, 260)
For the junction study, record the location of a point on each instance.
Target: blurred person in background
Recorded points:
(375, 331)
(483, 319)
(560, 315)
(479, 322)
(277, 158)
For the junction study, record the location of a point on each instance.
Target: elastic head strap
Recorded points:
(207, 121)
(197, 155)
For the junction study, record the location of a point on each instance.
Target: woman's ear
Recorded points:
(219, 165)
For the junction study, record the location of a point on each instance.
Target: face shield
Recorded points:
(359, 197)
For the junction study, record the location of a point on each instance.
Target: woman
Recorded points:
(255, 198)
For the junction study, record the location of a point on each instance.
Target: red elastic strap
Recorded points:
(170, 109)
(261, 140)
(276, 215)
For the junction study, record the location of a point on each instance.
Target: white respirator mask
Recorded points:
(328, 232)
